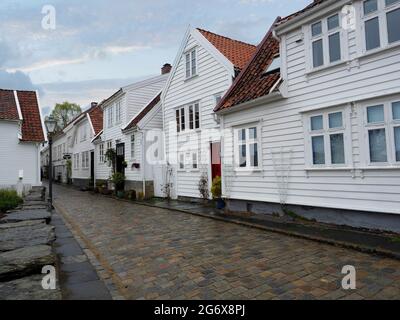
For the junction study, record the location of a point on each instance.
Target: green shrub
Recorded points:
(9, 200)
(216, 188)
(118, 179)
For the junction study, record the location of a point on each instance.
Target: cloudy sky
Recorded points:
(98, 46)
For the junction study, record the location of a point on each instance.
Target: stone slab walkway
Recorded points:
(154, 253)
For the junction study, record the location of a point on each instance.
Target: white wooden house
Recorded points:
(21, 134)
(122, 132)
(204, 69)
(313, 122)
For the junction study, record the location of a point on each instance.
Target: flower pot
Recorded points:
(120, 194)
(220, 204)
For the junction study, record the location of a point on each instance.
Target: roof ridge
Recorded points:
(228, 38)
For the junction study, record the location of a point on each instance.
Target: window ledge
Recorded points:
(247, 170)
(383, 167)
(329, 169)
(191, 78)
(377, 51)
(324, 68)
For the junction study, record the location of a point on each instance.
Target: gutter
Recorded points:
(253, 103)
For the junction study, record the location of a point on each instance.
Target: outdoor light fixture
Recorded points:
(51, 124)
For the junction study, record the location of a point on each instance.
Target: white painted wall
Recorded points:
(213, 78)
(15, 156)
(362, 78)
(82, 146)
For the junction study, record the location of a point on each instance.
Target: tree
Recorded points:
(65, 112)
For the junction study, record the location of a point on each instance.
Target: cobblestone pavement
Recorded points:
(152, 253)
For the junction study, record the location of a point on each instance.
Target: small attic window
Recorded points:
(275, 64)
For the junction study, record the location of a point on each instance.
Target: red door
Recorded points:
(216, 159)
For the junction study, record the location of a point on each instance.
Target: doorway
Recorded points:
(92, 167)
(215, 159)
(120, 160)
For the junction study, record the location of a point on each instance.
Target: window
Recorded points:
(382, 125)
(247, 148)
(181, 161)
(85, 160)
(83, 130)
(326, 45)
(275, 64)
(188, 160)
(327, 133)
(118, 112)
(110, 117)
(191, 63)
(195, 164)
(381, 23)
(59, 151)
(101, 153)
(190, 113)
(76, 161)
(132, 146)
(109, 145)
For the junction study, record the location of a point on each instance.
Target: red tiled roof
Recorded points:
(298, 13)
(8, 107)
(253, 82)
(144, 112)
(96, 117)
(32, 129)
(238, 52)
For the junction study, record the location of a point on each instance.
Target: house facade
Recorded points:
(204, 69)
(313, 122)
(21, 134)
(123, 133)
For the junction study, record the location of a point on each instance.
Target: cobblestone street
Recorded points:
(152, 253)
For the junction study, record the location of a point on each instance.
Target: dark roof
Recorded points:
(238, 52)
(8, 106)
(312, 5)
(96, 117)
(31, 127)
(143, 113)
(253, 82)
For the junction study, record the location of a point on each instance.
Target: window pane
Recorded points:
(178, 121)
(187, 65)
(377, 145)
(372, 37)
(253, 133)
(194, 158)
(333, 22)
(389, 2)
(316, 29)
(397, 142)
(194, 62)
(334, 47)
(317, 123)
(393, 25)
(335, 120)
(318, 150)
(337, 148)
(396, 110)
(242, 156)
(242, 135)
(318, 53)
(370, 6)
(191, 118)
(197, 116)
(254, 155)
(183, 125)
(376, 114)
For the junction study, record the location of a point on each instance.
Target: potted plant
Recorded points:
(118, 179)
(216, 191)
(125, 164)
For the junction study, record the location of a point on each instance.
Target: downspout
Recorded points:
(144, 164)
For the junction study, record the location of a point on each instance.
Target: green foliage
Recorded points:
(9, 200)
(216, 188)
(118, 179)
(65, 112)
(203, 186)
(111, 158)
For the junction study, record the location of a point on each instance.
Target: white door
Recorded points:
(159, 177)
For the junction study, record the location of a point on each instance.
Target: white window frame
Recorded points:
(383, 31)
(326, 132)
(83, 132)
(85, 160)
(190, 61)
(248, 141)
(101, 153)
(310, 39)
(118, 112)
(110, 117)
(187, 159)
(133, 140)
(185, 110)
(389, 124)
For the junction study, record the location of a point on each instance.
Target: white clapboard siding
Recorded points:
(213, 78)
(80, 147)
(282, 127)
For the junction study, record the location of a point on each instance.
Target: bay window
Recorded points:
(247, 146)
(381, 23)
(327, 135)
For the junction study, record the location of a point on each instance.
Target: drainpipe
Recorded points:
(143, 164)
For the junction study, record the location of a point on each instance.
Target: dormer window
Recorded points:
(275, 64)
(326, 47)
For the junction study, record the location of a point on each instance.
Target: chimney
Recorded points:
(93, 105)
(166, 68)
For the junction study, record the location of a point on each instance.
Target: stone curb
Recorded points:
(104, 271)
